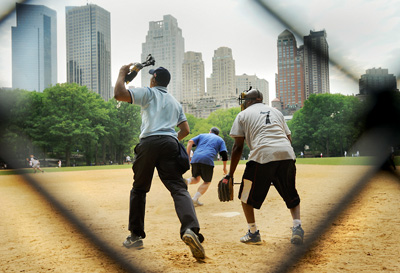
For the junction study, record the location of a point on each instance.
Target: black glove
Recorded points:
(225, 189)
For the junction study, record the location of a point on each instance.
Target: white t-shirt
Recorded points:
(34, 162)
(265, 131)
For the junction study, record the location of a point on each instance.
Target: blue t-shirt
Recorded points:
(207, 146)
(161, 112)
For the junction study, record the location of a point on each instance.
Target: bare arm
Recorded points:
(120, 91)
(184, 130)
(290, 138)
(189, 148)
(237, 150)
(225, 171)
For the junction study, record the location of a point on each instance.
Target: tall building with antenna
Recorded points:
(88, 38)
(34, 48)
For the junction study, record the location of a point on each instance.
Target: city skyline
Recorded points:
(362, 39)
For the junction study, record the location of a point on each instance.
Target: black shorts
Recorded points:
(257, 180)
(204, 171)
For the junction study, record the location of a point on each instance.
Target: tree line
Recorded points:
(329, 124)
(69, 122)
(72, 123)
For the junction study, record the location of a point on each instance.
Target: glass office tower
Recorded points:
(34, 48)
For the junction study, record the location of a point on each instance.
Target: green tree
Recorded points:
(18, 110)
(123, 129)
(223, 119)
(327, 123)
(194, 125)
(73, 118)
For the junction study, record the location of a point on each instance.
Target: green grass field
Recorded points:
(67, 169)
(326, 161)
(315, 161)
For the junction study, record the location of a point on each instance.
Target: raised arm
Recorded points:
(120, 91)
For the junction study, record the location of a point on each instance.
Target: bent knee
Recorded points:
(292, 203)
(195, 180)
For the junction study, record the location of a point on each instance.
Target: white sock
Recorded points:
(252, 227)
(296, 222)
(196, 196)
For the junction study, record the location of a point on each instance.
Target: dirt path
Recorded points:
(36, 238)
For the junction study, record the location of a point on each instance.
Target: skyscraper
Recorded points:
(376, 80)
(316, 63)
(34, 48)
(289, 79)
(223, 78)
(165, 43)
(193, 79)
(88, 38)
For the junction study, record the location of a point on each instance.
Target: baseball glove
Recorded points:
(225, 189)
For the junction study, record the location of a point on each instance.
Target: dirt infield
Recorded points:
(36, 238)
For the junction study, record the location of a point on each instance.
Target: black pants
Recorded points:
(159, 152)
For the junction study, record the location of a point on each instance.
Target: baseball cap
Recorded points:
(162, 75)
(215, 130)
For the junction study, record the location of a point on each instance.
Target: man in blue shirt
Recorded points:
(158, 148)
(207, 146)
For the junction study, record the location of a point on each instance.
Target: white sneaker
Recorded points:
(197, 203)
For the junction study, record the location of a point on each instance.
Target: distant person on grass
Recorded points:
(35, 163)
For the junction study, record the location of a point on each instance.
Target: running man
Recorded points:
(207, 146)
(35, 163)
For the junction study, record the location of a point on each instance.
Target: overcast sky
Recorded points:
(362, 34)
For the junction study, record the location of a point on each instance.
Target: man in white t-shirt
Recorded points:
(35, 163)
(271, 159)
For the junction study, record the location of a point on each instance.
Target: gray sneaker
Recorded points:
(297, 235)
(251, 238)
(133, 241)
(192, 240)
